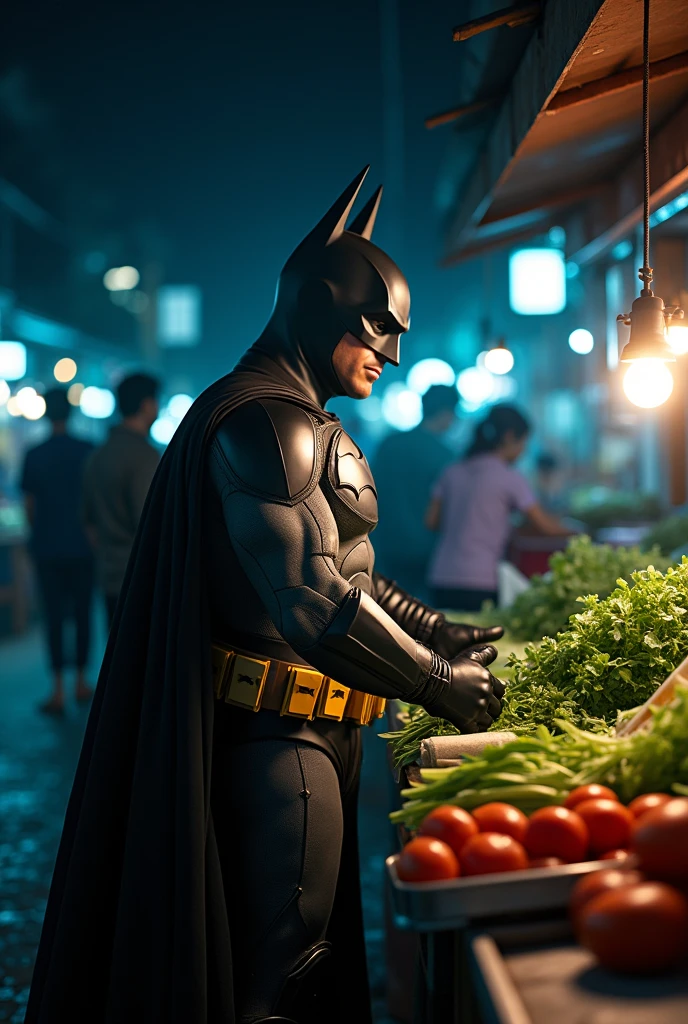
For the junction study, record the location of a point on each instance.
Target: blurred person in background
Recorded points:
(51, 481)
(406, 466)
(471, 508)
(549, 483)
(116, 482)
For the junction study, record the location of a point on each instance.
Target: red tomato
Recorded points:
(647, 802)
(489, 852)
(619, 855)
(590, 886)
(661, 840)
(502, 818)
(451, 824)
(591, 792)
(546, 862)
(427, 860)
(557, 832)
(638, 929)
(610, 824)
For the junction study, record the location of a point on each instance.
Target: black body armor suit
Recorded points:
(208, 868)
(291, 503)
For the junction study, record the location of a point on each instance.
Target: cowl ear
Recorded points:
(330, 227)
(364, 222)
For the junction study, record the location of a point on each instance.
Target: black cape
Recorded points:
(136, 925)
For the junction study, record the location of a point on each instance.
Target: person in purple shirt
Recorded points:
(51, 481)
(471, 508)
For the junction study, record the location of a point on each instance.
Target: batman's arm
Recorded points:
(428, 626)
(414, 617)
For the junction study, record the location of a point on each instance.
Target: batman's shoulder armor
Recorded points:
(271, 448)
(350, 477)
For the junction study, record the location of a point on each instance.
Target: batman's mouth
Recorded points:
(374, 370)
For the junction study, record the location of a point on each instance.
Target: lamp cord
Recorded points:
(646, 273)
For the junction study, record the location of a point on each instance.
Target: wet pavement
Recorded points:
(38, 757)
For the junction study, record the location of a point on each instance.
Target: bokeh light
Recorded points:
(427, 372)
(121, 279)
(476, 386)
(581, 341)
(30, 404)
(648, 383)
(4, 391)
(179, 405)
(163, 429)
(98, 403)
(13, 406)
(12, 360)
(74, 393)
(537, 281)
(677, 336)
(35, 409)
(499, 360)
(65, 370)
(401, 407)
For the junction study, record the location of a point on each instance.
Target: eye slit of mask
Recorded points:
(382, 324)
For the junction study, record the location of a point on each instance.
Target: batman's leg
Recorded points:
(278, 817)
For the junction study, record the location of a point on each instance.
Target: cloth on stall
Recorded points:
(440, 751)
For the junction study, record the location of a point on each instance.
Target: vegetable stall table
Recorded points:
(499, 949)
(447, 916)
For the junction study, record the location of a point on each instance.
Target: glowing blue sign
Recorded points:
(12, 360)
(537, 281)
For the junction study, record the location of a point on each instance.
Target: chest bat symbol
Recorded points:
(354, 475)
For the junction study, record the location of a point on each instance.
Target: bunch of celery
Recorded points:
(538, 770)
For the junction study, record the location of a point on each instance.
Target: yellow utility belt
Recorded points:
(265, 683)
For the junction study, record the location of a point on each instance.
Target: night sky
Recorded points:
(223, 131)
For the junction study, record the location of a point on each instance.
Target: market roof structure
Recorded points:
(567, 134)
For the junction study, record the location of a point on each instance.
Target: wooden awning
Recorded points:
(568, 133)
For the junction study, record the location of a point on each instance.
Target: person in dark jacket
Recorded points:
(406, 466)
(117, 480)
(51, 481)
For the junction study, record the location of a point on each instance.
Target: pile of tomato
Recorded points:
(633, 916)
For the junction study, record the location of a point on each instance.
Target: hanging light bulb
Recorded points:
(648, 383)
(499, 359)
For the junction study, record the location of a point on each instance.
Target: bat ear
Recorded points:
(330, 227)
(364, 222)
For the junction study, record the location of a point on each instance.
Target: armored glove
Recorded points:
(426, 625)
(463, 690)
(451, 638)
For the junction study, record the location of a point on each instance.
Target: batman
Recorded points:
(208, 871)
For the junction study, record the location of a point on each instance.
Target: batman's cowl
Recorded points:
(136, 926)
(337, 280)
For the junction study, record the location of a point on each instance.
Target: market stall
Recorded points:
(494, 844)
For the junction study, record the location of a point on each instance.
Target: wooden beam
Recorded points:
(435, 120)
(617, 83)
(519, 14)
(574, 195)
(541, 71)
(619, 209)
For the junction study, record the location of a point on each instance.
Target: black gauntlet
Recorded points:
(364, 648)
(428, 626)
